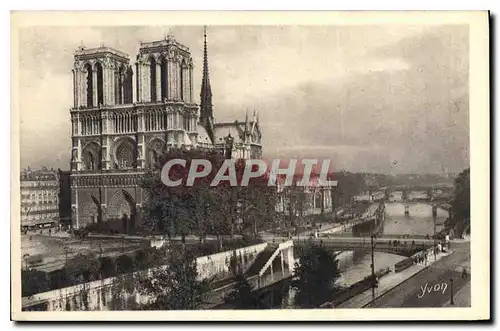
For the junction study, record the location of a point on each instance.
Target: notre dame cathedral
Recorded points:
(116, 137)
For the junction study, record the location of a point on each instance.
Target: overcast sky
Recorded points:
(390, 99)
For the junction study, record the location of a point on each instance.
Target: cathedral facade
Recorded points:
(116, 137)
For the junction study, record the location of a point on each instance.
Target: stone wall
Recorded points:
(119, 293)
(217, 265)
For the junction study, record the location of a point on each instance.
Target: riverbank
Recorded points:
(388, 282)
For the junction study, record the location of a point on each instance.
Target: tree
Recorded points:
(124, 264)
(33, 281)
(314, 276)
(203, 208)
(107, 267)
(243, 296)
(235, 265)
(201, 212)
(460, 205)
(297, 204)
(59, 278)
(146, 258)
(83, 268)
(174, 286)
(183, 209)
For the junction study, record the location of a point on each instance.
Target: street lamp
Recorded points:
(373, 268)
(451, 291)
(66, 251)
(25, 257)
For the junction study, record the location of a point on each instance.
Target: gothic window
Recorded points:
(121, 76)
(90, 87)
(116, 79)
(153, 78)
(130, 122)
(100, 87)
(127, 86)
(164, 78)
(125, 157)
(89, 160)
(90, 156)
(84, 127)
(183, 65)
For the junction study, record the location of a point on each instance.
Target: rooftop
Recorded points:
(81, 51)
(41, 174)
(168, 40)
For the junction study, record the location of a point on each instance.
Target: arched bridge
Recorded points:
(404, 247)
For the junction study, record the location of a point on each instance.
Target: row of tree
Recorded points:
(202, 209)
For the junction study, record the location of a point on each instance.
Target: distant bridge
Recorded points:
(435, 206)
(421, 187)
(405, 247)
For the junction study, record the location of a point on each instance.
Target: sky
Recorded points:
(387, 99)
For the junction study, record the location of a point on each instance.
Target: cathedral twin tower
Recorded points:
(103, 104)
(103, 76)
(114, 139)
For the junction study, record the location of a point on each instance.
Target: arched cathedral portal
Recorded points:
(121, 204)
(90, 210)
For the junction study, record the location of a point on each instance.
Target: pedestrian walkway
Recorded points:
(461, 298)
(388, 282)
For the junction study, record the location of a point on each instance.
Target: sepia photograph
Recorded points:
(259, 166)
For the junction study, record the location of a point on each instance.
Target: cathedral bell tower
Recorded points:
(101, 77)
(164, 72)
(102, 86)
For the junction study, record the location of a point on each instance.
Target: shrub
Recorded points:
(59, 279)
(33, 281)
(83, 268)
(148, 257)
(107, 267)
(142, 259)
(124, 264)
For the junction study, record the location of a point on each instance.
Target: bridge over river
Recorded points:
(422, 220)
(405, 247)
(398, 235)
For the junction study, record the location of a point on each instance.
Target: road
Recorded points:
(415, 291)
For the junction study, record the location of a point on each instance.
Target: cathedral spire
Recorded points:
(206, 114)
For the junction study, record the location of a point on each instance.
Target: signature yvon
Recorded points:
(432, 288)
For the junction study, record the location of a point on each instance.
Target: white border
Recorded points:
(479, 96)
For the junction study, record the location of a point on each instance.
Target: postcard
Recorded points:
(250, 166)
